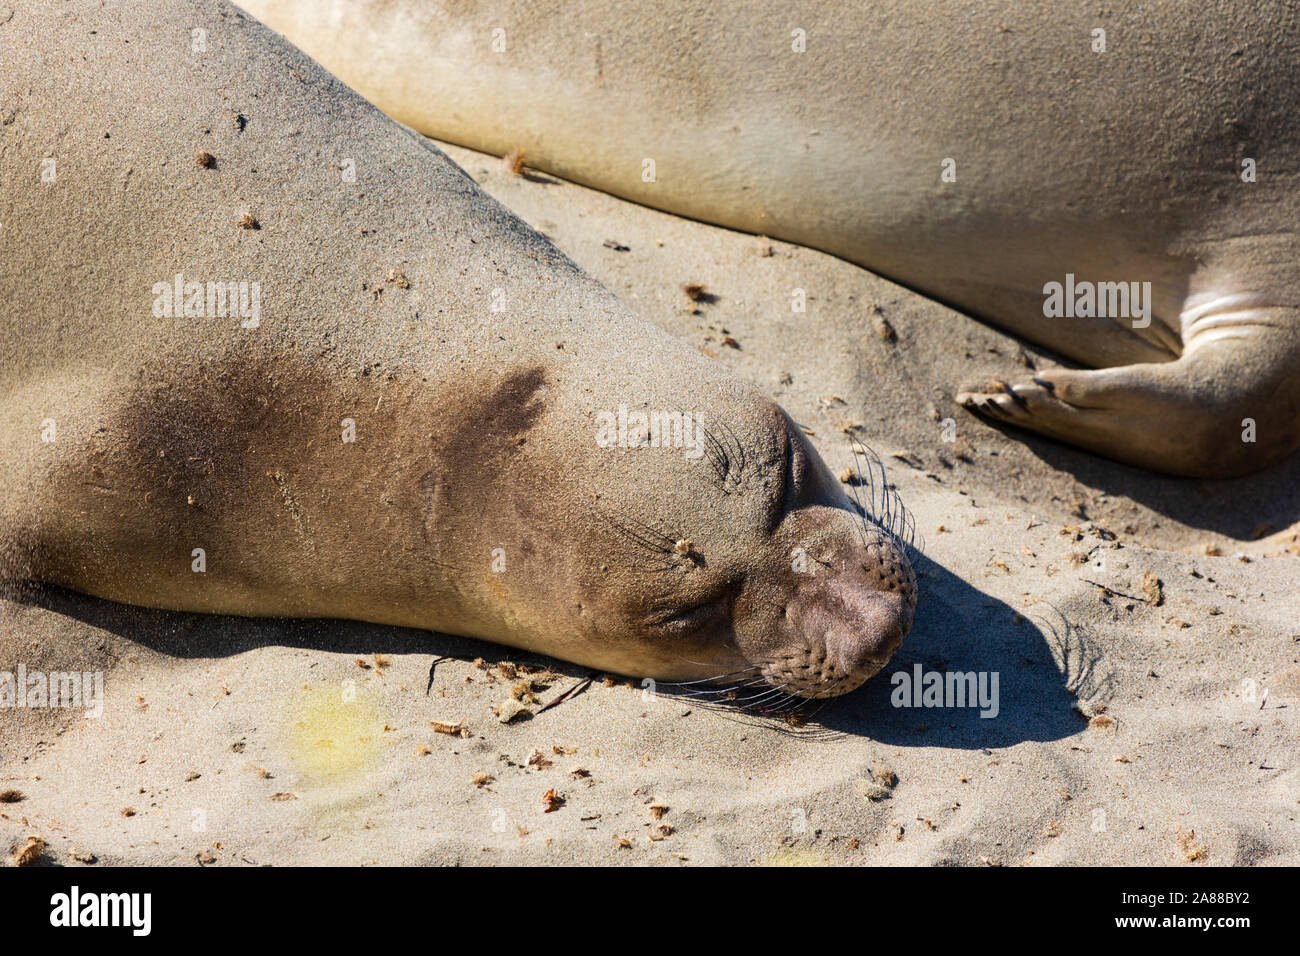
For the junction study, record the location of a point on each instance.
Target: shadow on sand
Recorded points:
(1245, 508)
(1040, 663)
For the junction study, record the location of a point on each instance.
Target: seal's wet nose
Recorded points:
(858, 626)
(845, 622)
(866, 635)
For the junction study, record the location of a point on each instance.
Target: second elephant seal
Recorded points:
(991, 156)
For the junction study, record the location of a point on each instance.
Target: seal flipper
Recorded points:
(1229, 406)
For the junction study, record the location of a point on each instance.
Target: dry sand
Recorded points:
(1133, 725)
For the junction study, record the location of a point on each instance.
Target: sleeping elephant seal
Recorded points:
(1118, 186)
(264, 352)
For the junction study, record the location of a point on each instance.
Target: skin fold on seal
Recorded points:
(977, 153)
(264, 352)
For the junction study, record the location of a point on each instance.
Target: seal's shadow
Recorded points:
(1245, 508)
(1041, 664)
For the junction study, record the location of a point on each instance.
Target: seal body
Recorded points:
(983, 156)
(264, 352)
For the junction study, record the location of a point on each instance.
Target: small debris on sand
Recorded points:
(1153, 589)
(246, 221)
(204, 159)
(551, 801)
(457, 729)
(884, 331)
(1187, 843)
(879, 785)
(569, 694)
(29, 853)
(514, 161)
(510, 709)
(873, 791)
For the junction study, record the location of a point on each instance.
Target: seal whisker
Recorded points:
(720, 694)
(794, 702)
(759, 700)
(716, 455)
(753, 699)
(740, 450)
(720, 457)
(707, 680)
(821, 705)
(644, 535)
(646, 538)
(860, 527)
(791, 702)
(884, 508)
(773, 708)
(715, 690)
